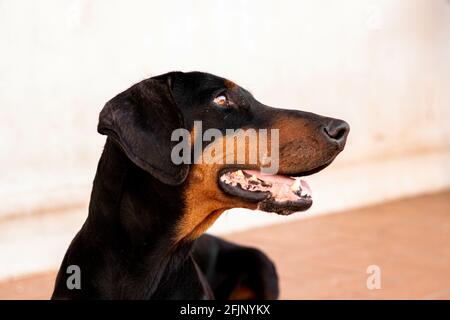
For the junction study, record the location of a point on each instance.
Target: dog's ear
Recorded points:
(141, 120)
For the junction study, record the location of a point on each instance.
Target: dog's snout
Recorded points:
(337, 131)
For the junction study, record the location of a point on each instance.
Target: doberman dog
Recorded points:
(143, 237)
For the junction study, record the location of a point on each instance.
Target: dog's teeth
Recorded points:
(296, 185)
(306, 191)
(305, 194)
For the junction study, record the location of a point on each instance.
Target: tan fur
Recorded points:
(243, 293)
(204, 200)
(230, 85)
(291, 130)
(300, 154)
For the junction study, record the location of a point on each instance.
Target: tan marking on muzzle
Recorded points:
(204, 200)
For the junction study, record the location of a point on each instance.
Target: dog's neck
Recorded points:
(126, 201)
(130, 229)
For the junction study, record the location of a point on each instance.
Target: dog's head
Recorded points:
(226, 148)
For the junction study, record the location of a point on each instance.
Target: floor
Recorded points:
(327, 257)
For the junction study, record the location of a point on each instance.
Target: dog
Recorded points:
(144, 234)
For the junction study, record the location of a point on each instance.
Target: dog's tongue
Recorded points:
(285, 181)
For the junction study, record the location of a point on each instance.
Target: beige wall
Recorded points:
(384, 66)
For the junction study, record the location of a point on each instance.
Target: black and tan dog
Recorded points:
(143, 235)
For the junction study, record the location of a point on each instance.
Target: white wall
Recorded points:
(384, 66)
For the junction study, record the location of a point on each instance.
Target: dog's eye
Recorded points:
(221, 100)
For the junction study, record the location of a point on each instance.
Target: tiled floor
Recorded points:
(327, 257)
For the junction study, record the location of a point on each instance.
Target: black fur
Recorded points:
(125, 249)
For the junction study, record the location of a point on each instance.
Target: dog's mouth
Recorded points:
(281, 194)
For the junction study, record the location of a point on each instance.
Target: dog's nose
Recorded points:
(337, 131)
